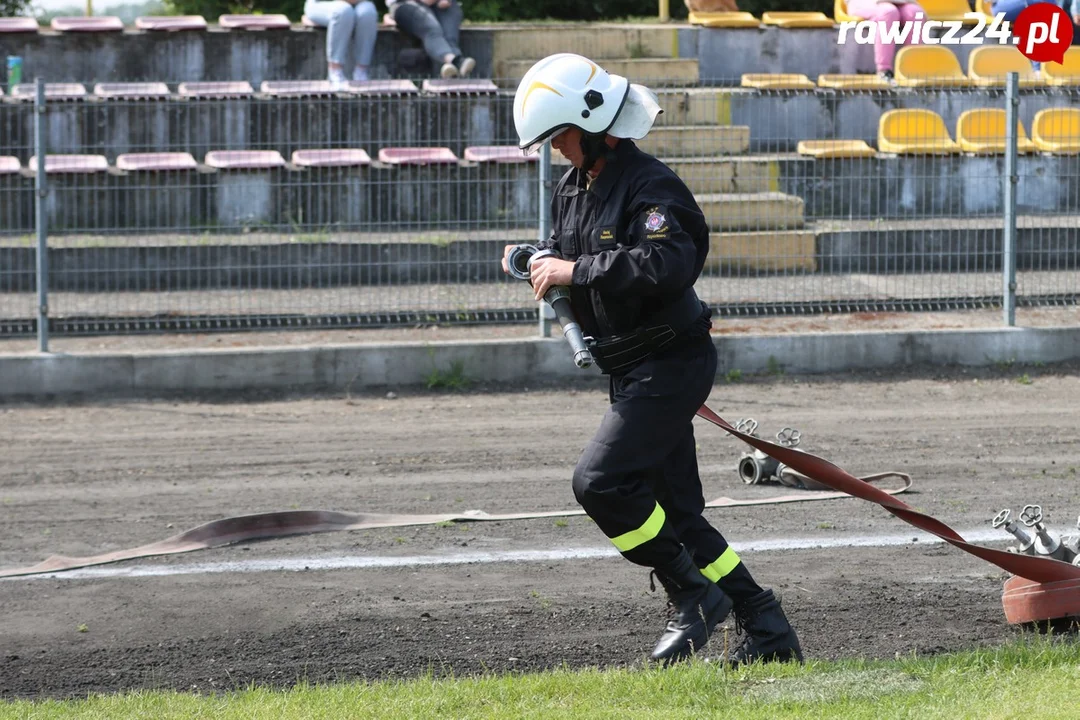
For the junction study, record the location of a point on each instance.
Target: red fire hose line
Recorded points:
(1036, 569)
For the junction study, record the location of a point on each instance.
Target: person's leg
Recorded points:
(419, 21)
(450, 20)
(908, 11)
(1010, 8)
(338, 18)
(885, 15)
(364, 34)
(678, 488)
(768, 634)
(643, 426)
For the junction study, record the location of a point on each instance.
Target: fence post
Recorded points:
(1008, 250)
(665, 10)
(544, 312)
(40, 219)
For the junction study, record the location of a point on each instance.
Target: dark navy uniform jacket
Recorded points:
(637, 235)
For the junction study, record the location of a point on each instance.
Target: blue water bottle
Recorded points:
(14, 71)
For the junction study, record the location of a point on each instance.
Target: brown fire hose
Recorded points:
(1035, 569)
(263, 526)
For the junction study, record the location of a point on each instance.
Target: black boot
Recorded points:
(769, 636)
(698, 606)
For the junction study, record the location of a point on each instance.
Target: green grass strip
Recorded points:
(1032, 678)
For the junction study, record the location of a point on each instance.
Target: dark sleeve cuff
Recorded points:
(582, 266)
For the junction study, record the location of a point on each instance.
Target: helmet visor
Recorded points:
(535, 145)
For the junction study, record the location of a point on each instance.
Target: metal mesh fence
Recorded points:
(207, 206)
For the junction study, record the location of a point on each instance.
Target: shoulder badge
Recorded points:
(655, 222)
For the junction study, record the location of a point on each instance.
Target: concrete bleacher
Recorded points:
(657, 52)
(324, 164)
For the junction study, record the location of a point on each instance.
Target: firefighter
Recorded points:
(630, 241)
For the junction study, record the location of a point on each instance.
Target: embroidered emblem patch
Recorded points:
(654, 222)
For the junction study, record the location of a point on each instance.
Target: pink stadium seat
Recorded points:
(216, 89)
(9, 165)
(294, 88)
(254, 22)
(97, 23)
(18, 25)
(53, 91)
(245, 159)
(68, 164)
(167, 23)
(331, 158)
(460, 87)
(498, 154)
(417, 156)
(131, 91)
(380, 87)
(150, 162)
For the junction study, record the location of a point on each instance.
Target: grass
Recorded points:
(1032, 677)
(453, 379)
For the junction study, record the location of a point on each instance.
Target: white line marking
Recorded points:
(353, 562)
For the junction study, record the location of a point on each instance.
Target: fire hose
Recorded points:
(263, 526)
(519, 261)
(1042, 588)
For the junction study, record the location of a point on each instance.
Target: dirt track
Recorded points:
(83, 480)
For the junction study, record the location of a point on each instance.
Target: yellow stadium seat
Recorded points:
(1066, 72)
(988, 65)
(777, 81)
(724, 19)
(928, 66)
(797, 19)
(983, 131)
(948, 10)
(827, 149)
(853, 82)
(1057, 130)
(841, 14)
(914, 131)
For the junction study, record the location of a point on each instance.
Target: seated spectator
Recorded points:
(351, 27)
(437, 24)
(1011, 9)
(887, 13)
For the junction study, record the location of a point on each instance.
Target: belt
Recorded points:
(618, 354)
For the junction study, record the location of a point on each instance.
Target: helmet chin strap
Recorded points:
(594, 147)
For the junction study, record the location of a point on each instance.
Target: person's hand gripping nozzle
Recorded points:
(519, 262)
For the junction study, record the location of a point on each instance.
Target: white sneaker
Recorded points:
(360, 74)
(449, 70)
(467, 66)
(337, 78)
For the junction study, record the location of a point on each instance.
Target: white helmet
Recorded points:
(567, 90)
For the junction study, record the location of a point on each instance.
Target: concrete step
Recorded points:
(674, 141)
(596, 41)
(694, 106)
(762, 251)
(691, 142)
(724, 175)
(752, 211)
(646, 71)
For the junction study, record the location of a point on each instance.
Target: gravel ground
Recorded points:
(84, 479)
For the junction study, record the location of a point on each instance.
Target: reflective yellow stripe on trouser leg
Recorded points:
(648, 530)
(722, 565)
